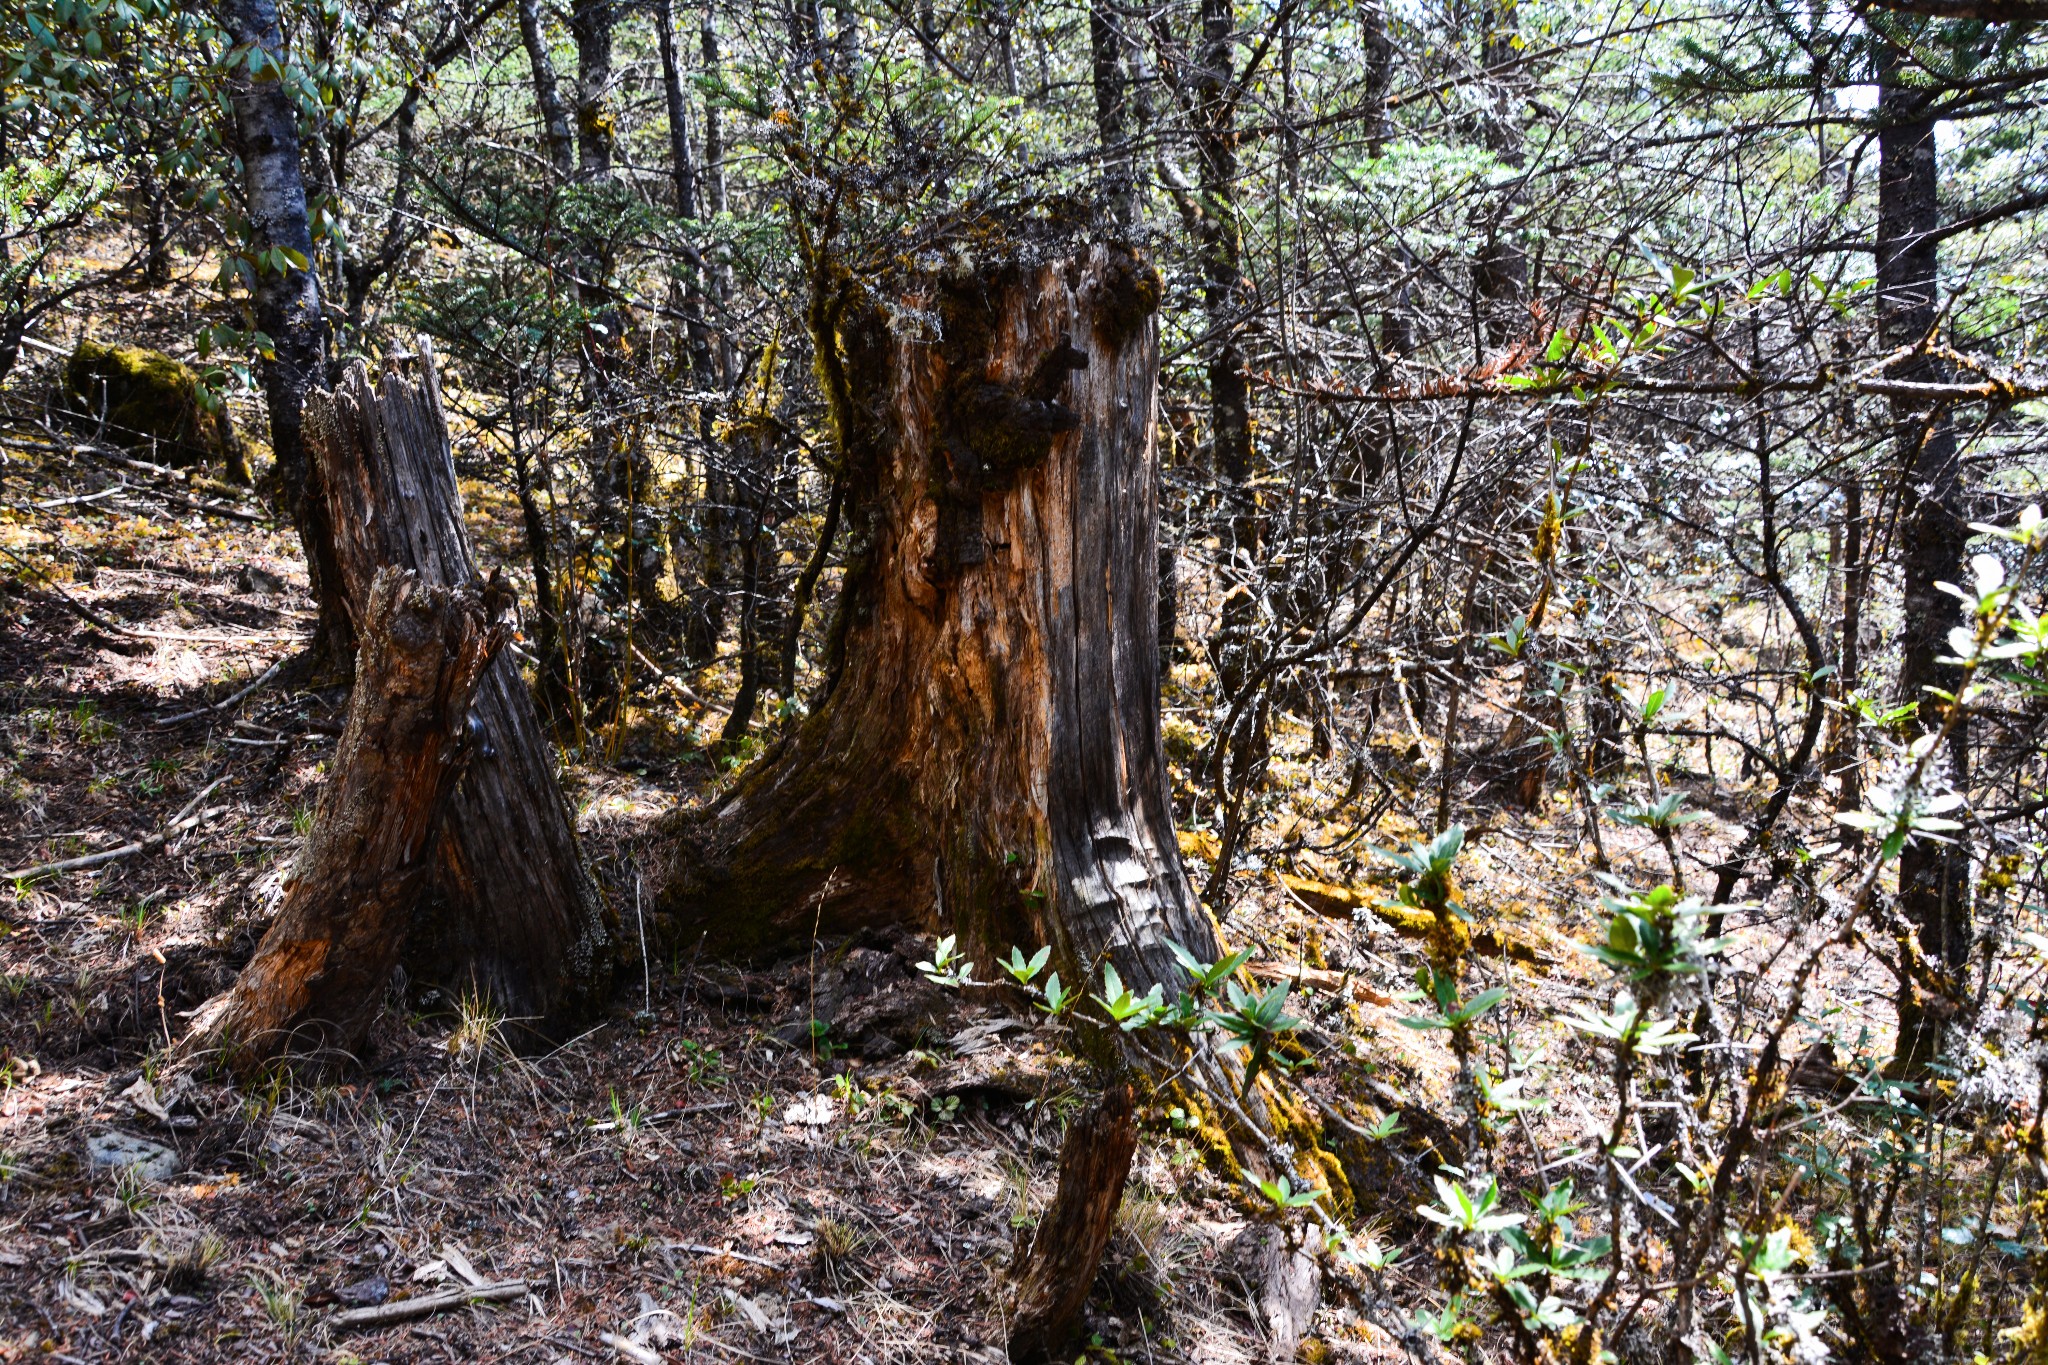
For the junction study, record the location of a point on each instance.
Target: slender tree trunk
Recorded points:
(547, 92)
(13, 315)
(1220, 250)
(590, 24)
(1112, 124)
(806, 38)
(287, 302)
(1006, 45)
(928, 36)
(620, 472)
(709, 530)
(556, 694)
(1845, 758)
(986, 756)
(514, 918)
(806, 585)
(681, 169)
(1397, 324)
(741, 717)
(715, 206)
(1934, 879)
(156, 228)
(319, 978)
(359, 273)
(1501, 270)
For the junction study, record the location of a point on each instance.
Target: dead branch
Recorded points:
(182, 821)
(225, 702)
(426, 1305)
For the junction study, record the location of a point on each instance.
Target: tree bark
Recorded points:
(1052, 1287)
(1500, 271)
(547, 92)
(1221, 250)
(1934, 879)
(287, 300)
(681, 165)
(1112, 126)
(514, 918)
(1285, 1283)
(590, 24)
(985, 756)
(1844, 749)
(725, 357)
(319, 977)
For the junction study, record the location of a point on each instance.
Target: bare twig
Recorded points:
(182, 821)
(226, 702)
(681, 689)
(405, 1310)
(92, 617)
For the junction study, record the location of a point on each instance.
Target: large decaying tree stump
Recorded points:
(985, 756)
(511, 915)
(319, 977)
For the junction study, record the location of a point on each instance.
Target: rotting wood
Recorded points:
(986, 758)
(1285, 1284)
(426, 1305)
(1344, 902)
(513, 917)
(1053, 1287)
(318, 978)
(1297, 974)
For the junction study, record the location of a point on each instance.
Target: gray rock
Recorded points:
(112, 1151)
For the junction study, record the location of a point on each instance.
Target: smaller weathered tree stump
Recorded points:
(510, 915)
(1052, 1287)
(319, 977)
(1285, 1283)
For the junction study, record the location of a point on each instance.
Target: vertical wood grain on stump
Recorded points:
(319, 976)
(1286, 1284)
(987, 756)
(1057, 1273)
(513, 915)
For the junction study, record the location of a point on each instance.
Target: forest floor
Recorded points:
(698, 1176)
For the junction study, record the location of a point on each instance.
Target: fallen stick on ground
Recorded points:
(708, 1340)
(1318, 979)
(681, 689)
(94, 618)
(631, 1350)
(182, 821)
(225, 702)
(663, 1116)
(83, 498)
(426, 1305)
(699, 1249)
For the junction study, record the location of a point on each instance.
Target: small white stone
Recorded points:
(113, 1151)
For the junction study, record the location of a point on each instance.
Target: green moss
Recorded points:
(1206, 1134)
(1129, 292)
(150, 405)
(1295, 1124)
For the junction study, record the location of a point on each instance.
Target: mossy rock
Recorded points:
(151, 406)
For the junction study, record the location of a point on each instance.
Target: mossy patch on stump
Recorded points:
(150, 403)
